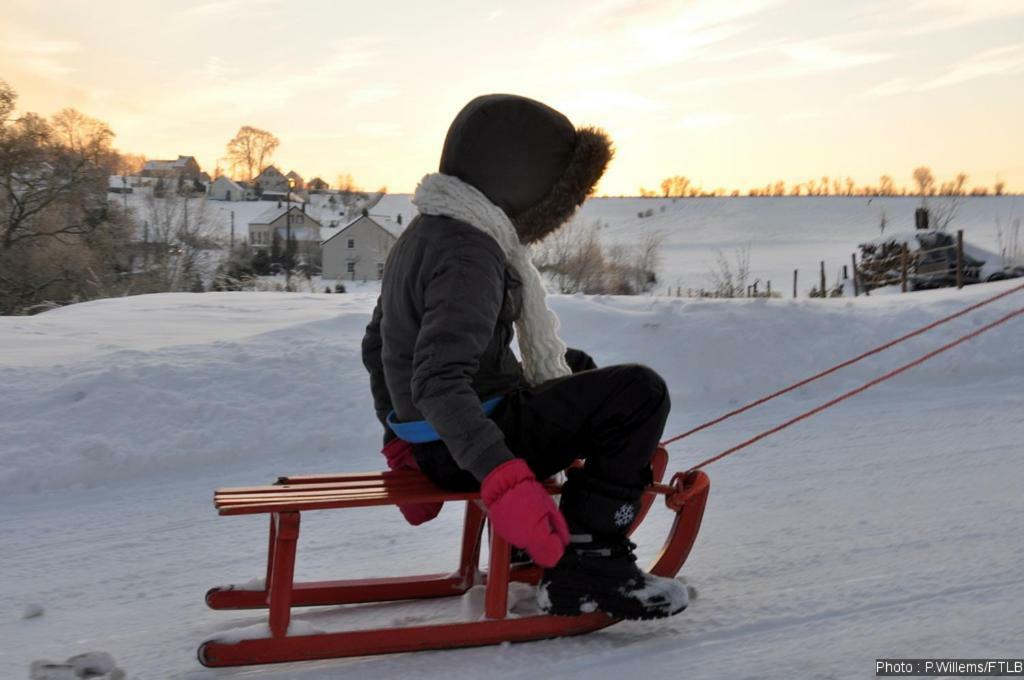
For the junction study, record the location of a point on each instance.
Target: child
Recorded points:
(458, 405)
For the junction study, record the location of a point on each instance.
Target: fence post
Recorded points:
(822, 289)
(960, 258)
(853, 262)
(903, 268)
(769, 293)
(794, 283)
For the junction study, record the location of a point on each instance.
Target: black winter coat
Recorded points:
(438, 342)
(446, 308)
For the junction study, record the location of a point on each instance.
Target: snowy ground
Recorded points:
(887, 527)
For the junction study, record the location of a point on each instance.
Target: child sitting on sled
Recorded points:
(457, 404)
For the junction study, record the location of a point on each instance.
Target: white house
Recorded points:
(358, 250)
(183, 166)
(272, 180)
(305, 229)
(225, 189)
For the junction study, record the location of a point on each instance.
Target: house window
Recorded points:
(380, 270)
(298, 219)
(351, 267)
(351, 243)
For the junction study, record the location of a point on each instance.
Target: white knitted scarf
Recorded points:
(543, 352)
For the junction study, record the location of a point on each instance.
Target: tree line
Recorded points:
(924, 184)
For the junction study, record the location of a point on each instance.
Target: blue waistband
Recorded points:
(421, 432)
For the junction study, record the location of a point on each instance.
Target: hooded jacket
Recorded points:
(438, 343)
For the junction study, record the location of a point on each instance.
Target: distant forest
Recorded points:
(924, 184)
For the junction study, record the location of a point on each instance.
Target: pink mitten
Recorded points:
(523, 513)
(400, 457)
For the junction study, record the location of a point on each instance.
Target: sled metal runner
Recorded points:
(685, 495)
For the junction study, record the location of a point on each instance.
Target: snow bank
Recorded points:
(165, 384)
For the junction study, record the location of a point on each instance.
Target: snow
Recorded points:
(782, 233)
(886, 527)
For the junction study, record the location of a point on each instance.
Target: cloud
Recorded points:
(710, 120)
(891, 87)
(995, 62)
(999, 61)
(944, 15)
(371, 94)
(220, 7)
(39, 54)
(626, 37)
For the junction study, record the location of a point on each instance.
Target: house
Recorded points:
(225, 189)
(272, 180)
(317, 186)
(279, 197)
(119, 184)
(274, 222)
(127, 184)
(184, 167)
(358, 250)
(295, 181)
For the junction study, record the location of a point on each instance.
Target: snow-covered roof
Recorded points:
(180, 162)
(270, 170)
(232, 184)
(270, 214)
(385, 224)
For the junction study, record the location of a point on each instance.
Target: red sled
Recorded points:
(686, 496)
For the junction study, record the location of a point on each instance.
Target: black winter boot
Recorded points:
(598, 571)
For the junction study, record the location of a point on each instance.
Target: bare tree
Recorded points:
(60, 240)
(7, 100)
(729, 279)
(925, 181)
(38, 173)
(182, 242)
(677, 186)
(573, 257)
(250, 151)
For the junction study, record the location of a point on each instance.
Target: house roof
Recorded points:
(180, 162)
(293, 175)
(375, 220)
(270, 214)
(267, 170)
(232, 184)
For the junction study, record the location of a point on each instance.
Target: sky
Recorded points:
(731, 94)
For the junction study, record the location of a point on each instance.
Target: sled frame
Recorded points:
(686, 495)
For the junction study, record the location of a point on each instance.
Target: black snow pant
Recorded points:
(611, 417)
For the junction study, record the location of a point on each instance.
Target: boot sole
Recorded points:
(569, 602)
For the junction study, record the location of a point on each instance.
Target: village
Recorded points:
(280, 222)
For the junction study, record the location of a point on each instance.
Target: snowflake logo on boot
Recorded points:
(624, 515)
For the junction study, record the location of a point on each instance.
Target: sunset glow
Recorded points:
(730, 94)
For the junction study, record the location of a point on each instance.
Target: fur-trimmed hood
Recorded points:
(526, 158)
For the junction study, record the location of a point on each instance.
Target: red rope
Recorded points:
(848, 362)
(865, 386)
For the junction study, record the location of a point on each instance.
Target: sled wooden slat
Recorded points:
(284, 502)
(346, 491)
